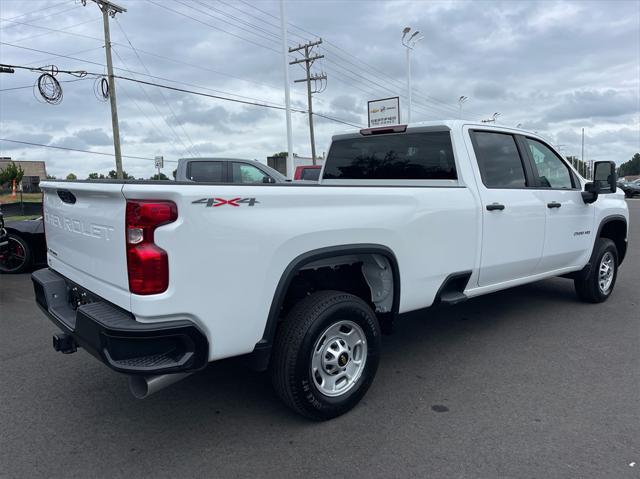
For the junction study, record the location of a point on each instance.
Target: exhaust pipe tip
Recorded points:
(138, 386)
(144, 386)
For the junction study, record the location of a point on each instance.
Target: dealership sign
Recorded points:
(384, 112)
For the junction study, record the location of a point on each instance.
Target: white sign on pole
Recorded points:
(384, 112)
(159, 162)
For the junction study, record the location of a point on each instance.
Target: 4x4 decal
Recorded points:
(214, 202)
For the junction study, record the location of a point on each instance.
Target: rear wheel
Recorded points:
(599, 283)
(15, 257)
(326, 354)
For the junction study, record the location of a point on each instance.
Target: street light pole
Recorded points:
(287, 96)
(409, 44)
(409, 84)
(462, 100)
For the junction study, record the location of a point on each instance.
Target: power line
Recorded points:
(213, 26)
(145, 52)
(153, 124)
(133, 72)
(445, 106)
(215, 17)
(38, 10)
(183, 90)
(31, 86)
(234, 100)
(47, 59)
(49, 29)
(191, 149)
(175, 117)
(55, 30)
(79, 150)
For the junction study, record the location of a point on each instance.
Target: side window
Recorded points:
(499, 160)
(206, 171)
(311, 174)
(550, 170)
(243, 173)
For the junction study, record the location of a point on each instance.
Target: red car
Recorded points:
(307, 173)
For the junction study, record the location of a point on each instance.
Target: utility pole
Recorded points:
(308, 61)
(287, 96)
(110, 9)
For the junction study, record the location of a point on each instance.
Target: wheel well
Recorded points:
(367, 275)
(616, 231)
(350, 268)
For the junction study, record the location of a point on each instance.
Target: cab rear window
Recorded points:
(406, 156)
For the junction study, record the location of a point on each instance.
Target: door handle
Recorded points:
(554, 204)
(495, 206)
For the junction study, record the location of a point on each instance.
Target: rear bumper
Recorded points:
(113, 335)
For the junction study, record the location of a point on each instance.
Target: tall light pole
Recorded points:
(461, 100)
(287, 96)
(409, 43)
(493, 118)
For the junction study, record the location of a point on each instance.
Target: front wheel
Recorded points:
(15, 256)
(326, 354)
(599, 283)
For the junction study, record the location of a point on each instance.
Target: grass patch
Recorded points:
(26, 198)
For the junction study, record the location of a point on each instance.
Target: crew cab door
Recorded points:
(513, 215)
(569, 226)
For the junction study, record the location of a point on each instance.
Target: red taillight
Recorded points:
(147, 263)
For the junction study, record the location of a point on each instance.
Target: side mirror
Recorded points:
(604, 175)
(268, 179)
(604, 181)
(590, 193)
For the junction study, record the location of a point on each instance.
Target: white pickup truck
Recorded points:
(157, 279)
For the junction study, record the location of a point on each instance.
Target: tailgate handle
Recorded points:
(67, 197)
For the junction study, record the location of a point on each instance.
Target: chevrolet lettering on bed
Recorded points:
(403, 217)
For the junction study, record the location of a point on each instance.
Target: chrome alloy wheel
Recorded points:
(605, 272)
(339, 357)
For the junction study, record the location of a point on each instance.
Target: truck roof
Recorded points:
(448, 124)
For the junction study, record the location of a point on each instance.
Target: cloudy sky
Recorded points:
(554, 67)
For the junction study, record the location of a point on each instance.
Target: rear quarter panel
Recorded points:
(226, 261)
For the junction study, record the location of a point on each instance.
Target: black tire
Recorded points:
(296, 339)
(11, 262)
(589, 288)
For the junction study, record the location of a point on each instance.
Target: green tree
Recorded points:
(11, 173)
(72, 176)
(113, 175)
(96, 176)
(51, 177)
(162, 177)
(631, 167)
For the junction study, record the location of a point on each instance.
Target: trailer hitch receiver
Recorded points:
(64, 343)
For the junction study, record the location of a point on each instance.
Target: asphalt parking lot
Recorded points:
(525, 383)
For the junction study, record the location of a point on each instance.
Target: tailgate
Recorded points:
(85, 231)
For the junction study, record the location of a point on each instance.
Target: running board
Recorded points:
(453, 297)
(452, 289)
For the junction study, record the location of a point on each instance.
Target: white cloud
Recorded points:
(554, 66)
